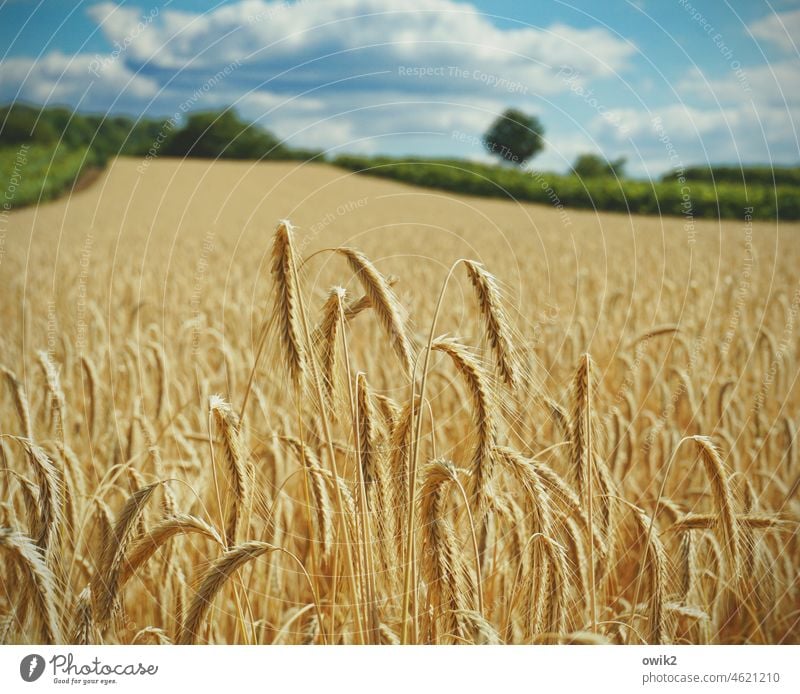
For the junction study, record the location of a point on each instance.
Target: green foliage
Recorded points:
(752, 175)
(20, 124)
(595, 166)
(106, 136)
(208, 135)
(629, 196)
(35, 173)
(515, 137)
(222, 135)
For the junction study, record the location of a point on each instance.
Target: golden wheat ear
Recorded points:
(38, 581)
(728, 526)
(442, 563)
(212, 582)
(147, 544)
(325, 336)
(321, 496)
(21, 404)
(84, 632)
(106, 581)
(50, 498)
(498, 328)
(235, 465)
(383, 301)
(655, 563)
(287, 301)
(474, 375)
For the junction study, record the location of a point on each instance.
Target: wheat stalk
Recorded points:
(20, 402)
(235, 465)
(441, 564)
(106, 581)
(482, 468)
(50, 499)
(287, 308)
(383, 301)
(38, 582)
(498, 330)
(212, 582)
(325, 336)
(146, 545)
(723, 500)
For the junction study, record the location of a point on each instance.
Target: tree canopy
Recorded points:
(515, 137)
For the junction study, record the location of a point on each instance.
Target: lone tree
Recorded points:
(595, 166)
(515, 137)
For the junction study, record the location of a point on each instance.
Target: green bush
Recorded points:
(752, 175)
(34, 173)
(595, 166)
(208, 135)
(221, 136)
(725, 200)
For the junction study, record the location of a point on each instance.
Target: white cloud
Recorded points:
(392, 32)
(683, 121)
(692, 135)
(114, 20)
(777, 83)
(60, 78)
(780, 29)
(366, 120)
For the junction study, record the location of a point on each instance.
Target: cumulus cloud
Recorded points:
(777, 83)
(395, 32)
(780, 29)
(60, 78)
(657, 140)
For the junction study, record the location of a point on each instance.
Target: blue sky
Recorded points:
(428, 76)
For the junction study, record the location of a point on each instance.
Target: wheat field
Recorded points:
(281, 404)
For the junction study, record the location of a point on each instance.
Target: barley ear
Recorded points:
(384, 302)
(235, 466)
(38, 581)
(212, 582)
(287, 301)
(728, 526)
(106, 581)
(498, 329)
